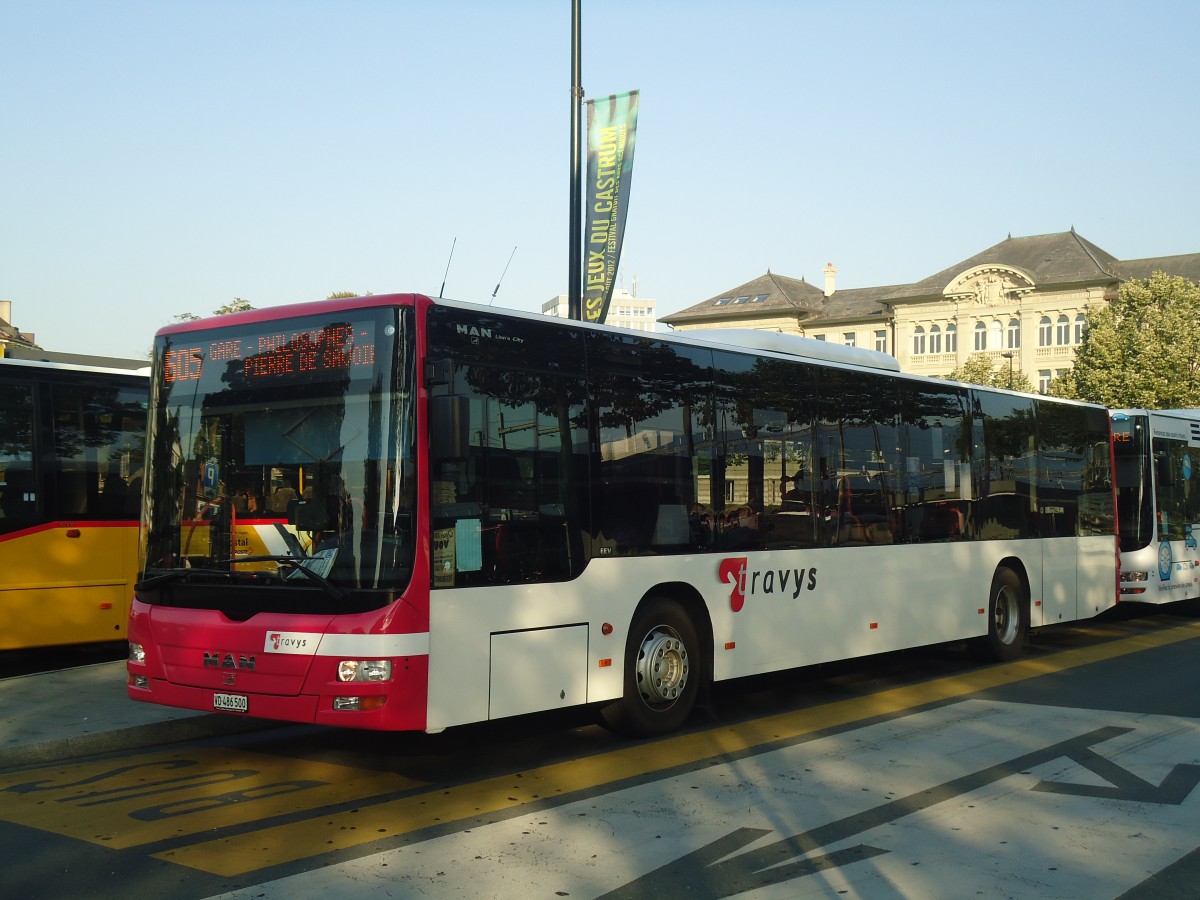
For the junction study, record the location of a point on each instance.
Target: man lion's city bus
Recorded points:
(72, 445)
(391, 512)
(1158, 504)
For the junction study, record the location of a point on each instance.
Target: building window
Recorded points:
(881, 341)
(1063, 336)
(951, 338)
(980, 336)
(1014, 334)
(1045, 332)
(935, 340)
(1043, 380)
(848, 338)
(818, 337)
(1080, 327)
(919, 341)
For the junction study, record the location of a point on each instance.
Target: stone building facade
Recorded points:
(1021, 302)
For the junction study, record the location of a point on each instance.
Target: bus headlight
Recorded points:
(364, 670)
(1135, 576)
(137, 653)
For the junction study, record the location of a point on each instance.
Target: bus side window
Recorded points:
(99, 444)
(18, 490)
(651, 420)
(506, 507)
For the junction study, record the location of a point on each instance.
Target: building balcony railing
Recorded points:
(1059, 353)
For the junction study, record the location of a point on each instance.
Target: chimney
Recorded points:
(6, 311)
(830, 271)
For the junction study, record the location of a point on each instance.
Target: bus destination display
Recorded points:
(321, 353)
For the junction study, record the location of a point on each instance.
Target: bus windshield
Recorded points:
(281, 454)
(1135, 492)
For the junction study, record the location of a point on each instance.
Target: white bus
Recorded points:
(491, 513)
(1158, 504)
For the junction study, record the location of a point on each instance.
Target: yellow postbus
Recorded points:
(72, 444)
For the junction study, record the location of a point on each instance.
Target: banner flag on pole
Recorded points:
(611, 126)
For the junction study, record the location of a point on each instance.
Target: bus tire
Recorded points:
(662, 674)
(1008, 617)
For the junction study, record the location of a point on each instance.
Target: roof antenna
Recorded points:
(502, 274)
(447, 275)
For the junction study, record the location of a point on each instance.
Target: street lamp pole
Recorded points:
(1009, 354)
(575, 228)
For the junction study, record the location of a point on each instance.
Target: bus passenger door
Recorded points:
(91, 550)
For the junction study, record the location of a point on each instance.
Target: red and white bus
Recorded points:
(1158, 504)
(466, 514)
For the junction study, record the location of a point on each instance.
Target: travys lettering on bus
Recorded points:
(746, 582)
(330, 350)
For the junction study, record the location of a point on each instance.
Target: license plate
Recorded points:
(231, 703)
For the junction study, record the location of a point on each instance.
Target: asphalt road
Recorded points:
(1069, 773)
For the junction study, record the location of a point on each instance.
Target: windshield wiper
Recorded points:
(154, 581)
(298, 563)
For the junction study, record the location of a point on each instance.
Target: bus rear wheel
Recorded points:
(1008, 617)
(662, 672)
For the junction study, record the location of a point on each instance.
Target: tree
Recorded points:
(978, 369)
(1141, 350)
(346, 295)
(238, 305)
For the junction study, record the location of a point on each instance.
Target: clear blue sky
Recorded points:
(160, 156)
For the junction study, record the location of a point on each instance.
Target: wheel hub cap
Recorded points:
(662, 668)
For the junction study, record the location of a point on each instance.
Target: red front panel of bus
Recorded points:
(281, 666)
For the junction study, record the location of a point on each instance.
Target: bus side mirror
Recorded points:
(449, 427)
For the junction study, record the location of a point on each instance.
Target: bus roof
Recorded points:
(96, 366)
(1189, 414)
(792, 345)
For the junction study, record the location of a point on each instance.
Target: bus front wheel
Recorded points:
(662, 672)
(1008, 617)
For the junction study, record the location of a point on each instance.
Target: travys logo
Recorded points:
(291, 642)
(747, 582)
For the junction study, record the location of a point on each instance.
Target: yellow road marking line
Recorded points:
(128, 802)
(273, 846)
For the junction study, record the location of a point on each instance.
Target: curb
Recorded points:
(189, 728)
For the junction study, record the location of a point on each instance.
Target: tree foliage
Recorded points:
(979, 369)
(237, 305)
(1141, 350)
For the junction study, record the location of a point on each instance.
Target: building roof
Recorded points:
(1060, 258)
(853, 303)
(1186, 265)
(1063, 257)
(769, 294)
